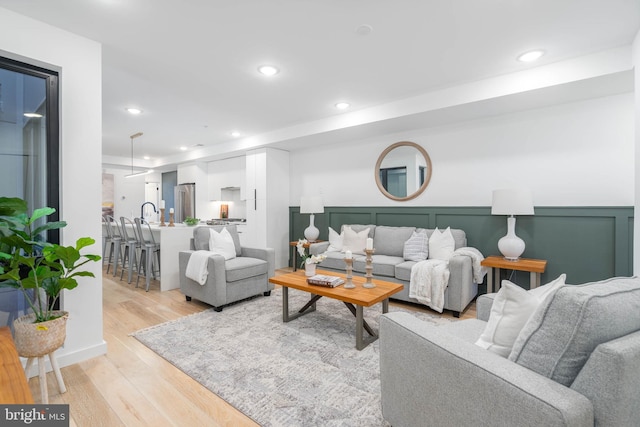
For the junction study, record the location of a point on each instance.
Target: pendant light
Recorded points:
(132, 174)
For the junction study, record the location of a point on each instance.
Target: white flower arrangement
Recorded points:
(305, 258)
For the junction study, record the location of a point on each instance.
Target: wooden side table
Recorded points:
(294, 251)
(533, 266)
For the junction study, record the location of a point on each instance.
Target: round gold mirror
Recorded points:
(403, 171)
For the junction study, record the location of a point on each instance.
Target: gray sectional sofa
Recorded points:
(389, 264)
(576, 362)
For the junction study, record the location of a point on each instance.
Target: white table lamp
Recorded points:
(311, 205)
(511, 201)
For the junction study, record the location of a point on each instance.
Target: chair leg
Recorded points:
(110, 256)
(125, 258)
(56, 370)
(28, 367)
(43, 380)
(116, 257)
(134, 263)
(149, 272)
(141, 265)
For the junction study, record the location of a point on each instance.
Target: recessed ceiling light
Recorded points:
(32, 115)
(146, 158)
(268, 70)
(531, 56)
(183, 148)
(134, 110)
(342, 105)
(235, 134)
(364, 30)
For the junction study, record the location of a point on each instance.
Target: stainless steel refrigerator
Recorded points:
(185, 201)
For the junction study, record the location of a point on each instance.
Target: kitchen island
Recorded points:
(172, 240)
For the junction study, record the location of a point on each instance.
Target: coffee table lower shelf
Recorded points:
(354, 299)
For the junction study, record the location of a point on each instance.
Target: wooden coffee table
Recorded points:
(355, 299)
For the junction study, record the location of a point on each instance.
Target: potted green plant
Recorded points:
(41, 270)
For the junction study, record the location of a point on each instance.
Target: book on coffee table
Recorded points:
(325, 280)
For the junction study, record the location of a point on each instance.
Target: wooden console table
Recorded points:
(14, 388)
(533, 266)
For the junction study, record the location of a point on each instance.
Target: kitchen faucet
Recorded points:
(142, 209)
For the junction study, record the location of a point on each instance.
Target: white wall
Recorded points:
(80, 63)
(129, 193)
(576, 154)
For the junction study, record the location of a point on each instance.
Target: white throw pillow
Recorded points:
(335, 240)
(417, 247)
(222, 243)
(511, 309)
(441, 244)
(355, 242)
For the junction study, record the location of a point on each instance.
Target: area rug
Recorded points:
(303, 373)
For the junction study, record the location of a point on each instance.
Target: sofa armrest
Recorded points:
(483, 306)
(610, 379)
(461, 289)
(267, 254)
(215, 286)
(318, 248)
(430, 377)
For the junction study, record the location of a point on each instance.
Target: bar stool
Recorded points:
(131, 244)
(106, 237)
(149, 253)
(116, 243)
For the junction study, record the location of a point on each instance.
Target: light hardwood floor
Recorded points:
(133, 386)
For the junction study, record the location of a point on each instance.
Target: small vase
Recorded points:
(310, 269)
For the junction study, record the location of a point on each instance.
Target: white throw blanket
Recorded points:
(476, 258)
(197, 266)
(429, 279)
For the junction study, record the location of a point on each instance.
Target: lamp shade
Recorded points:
(311, 205)
(512, 201)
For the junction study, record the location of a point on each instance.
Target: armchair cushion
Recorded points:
(566, 328)
(244, 267)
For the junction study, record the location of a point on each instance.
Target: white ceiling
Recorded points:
(191, 65)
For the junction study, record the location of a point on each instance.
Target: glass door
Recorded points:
(29, 157)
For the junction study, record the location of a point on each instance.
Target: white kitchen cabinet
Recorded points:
(226, 173)
(267, 201)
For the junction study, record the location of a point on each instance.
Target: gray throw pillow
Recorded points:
(564, 330)
(416, 248)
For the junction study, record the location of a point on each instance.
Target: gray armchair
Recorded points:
(231, 280)
(436, 375)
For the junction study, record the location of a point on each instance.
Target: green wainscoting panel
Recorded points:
(586, 243)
